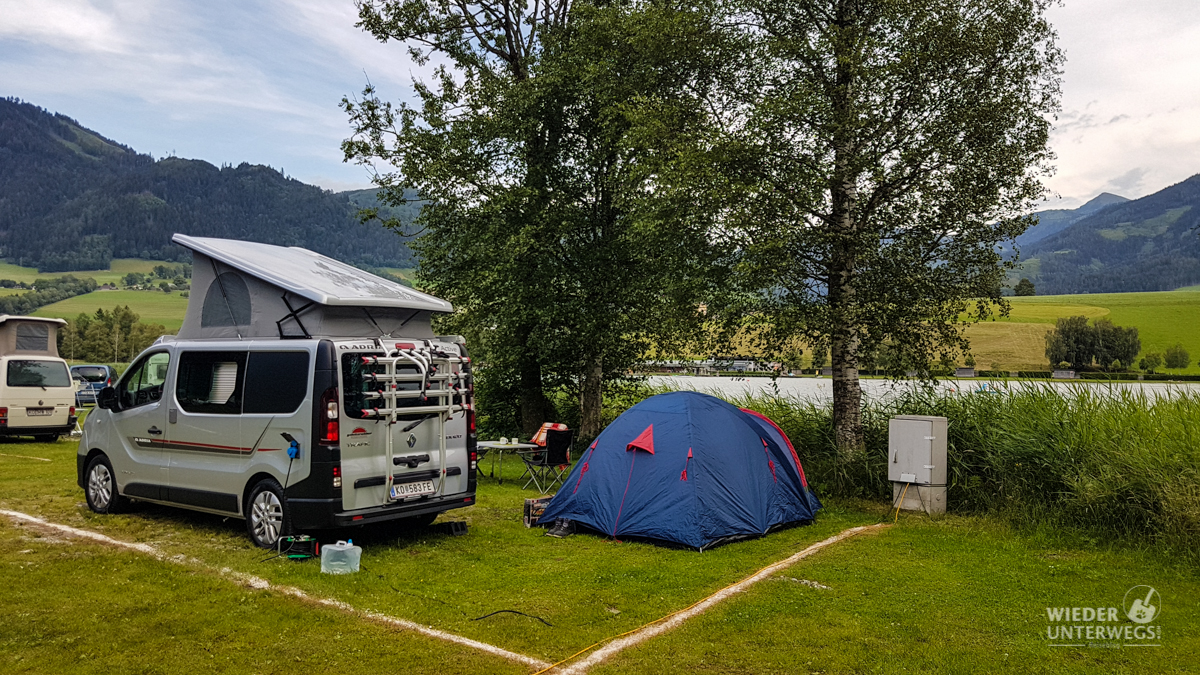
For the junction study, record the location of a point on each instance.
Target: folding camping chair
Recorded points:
(542, 465)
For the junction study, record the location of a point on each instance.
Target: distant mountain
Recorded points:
(1056, 220)
(1147, 244)
(71, 199)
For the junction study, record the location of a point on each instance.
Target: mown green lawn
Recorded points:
(151, 306)
(959, 595)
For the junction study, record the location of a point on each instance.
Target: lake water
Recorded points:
(821, 388)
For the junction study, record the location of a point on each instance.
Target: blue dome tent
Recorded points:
(686, 468)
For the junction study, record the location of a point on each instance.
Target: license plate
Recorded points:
(34, 412)
(417, 489)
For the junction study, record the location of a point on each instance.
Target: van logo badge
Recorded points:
(41, 403)
(412, 440)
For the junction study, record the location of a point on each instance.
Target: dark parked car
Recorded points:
(91, 380)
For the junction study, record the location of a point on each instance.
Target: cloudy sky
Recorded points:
(260, 82)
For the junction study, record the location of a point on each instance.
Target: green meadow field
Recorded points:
(152, 306)
(1017, 342)
(120, 267)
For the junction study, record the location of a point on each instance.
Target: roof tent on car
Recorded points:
(29, 335)
(242, 289)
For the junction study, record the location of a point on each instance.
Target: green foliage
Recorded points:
(1177, 357)
(1151, 362)
(867, 210)
(1074, 342)
(1024, 287)
(73, 204)
(115, 336)
(539, 223)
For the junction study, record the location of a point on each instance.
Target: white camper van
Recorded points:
(301, 393)
(37, 395)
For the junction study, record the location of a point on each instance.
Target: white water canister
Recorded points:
(340, 558)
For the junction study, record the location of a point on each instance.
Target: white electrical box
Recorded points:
(917, 459)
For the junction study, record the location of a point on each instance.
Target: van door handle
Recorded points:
(154, 430)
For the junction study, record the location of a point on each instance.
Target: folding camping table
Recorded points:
(499, 448)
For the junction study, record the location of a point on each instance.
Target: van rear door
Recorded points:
(420, 469)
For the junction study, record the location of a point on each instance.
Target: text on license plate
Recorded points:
(33, 412)
(421, 487)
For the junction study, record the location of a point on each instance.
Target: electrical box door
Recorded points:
(917, 450)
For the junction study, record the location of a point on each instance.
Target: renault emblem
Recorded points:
(412, 440)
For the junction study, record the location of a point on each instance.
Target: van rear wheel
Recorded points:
(100, 487)
(267, 514)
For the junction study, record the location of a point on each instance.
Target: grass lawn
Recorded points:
(152, 306)
(963, 594)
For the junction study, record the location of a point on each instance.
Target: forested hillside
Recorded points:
(1148, 244)
(71, 199)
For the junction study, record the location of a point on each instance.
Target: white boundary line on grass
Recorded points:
(258, 583)
(652, 630)
(40, 459)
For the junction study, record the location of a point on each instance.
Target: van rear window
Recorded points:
(91, 373)
(354, 386)
(38, 374)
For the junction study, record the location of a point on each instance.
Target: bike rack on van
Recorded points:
(429, 362)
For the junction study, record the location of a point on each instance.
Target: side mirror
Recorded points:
(107, 398)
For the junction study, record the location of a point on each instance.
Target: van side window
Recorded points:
(144, 382)
(211, 382)
(276, 382)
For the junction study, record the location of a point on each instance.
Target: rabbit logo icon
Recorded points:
(1142, 604)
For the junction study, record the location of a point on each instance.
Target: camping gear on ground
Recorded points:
(534, 509)
(686, 468)
(340, 558)
(562, 528)
(547, 466)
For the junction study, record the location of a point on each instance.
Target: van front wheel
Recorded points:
(267, 517)
(100, 487)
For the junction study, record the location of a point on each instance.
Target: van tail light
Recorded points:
(327, 426)
(474, 459)
(3, 416)
(337, 476)
(72, 411)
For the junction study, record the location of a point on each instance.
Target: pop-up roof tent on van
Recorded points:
(243, 289)
(29, 335)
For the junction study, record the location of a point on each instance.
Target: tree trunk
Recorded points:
(843, 266)
(535, 407)
(591, 399)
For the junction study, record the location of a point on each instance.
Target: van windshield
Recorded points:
(23, 373)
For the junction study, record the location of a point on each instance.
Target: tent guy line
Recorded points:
(655, 628)
(258, 583)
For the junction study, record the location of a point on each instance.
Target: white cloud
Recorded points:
(1131, 108)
